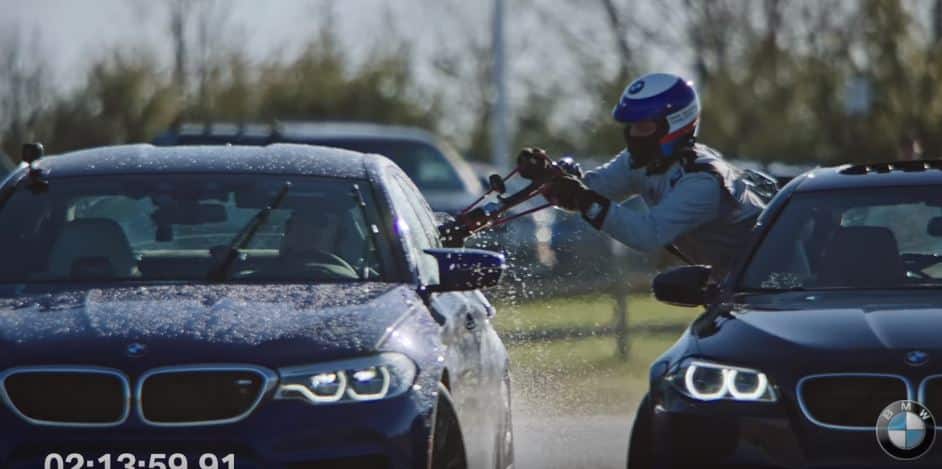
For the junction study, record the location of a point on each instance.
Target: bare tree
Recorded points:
(178, 34)
(24, 87)
(200, 26)
(620, 33)
(464, 63)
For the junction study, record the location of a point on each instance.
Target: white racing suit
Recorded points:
(705, 209)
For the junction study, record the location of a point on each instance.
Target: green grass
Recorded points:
(584, 376)
(588, 310)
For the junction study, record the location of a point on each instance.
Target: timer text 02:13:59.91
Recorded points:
(131, 461)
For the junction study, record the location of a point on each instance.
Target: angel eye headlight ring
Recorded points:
(367, 378)
(706, 381)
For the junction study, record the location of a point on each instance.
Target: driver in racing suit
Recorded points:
(697, 205)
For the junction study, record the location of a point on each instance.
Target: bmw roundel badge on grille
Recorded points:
(905, 430)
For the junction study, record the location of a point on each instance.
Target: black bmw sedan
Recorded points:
(286, 306)
(824, 348)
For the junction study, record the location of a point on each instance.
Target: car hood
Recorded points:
(271, 325)
(841, 337)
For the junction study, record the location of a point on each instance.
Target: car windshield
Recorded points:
(881, 237)
(155, 228)
(424, 164)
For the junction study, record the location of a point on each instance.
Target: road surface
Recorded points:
(552, 439)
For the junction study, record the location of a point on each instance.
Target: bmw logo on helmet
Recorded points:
(136, 349)
(917, 358)
(905, 430)
(636, 87)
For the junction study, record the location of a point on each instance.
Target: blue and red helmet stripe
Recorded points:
(630, 109)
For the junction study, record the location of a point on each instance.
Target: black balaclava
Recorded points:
(646, 151)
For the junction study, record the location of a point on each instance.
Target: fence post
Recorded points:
(622, 341)
(620, 290)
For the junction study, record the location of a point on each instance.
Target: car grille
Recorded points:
(199, 396)
(68, 396)
(932, 395)
(849, 400)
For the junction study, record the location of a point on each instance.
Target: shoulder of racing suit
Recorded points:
(733, 179)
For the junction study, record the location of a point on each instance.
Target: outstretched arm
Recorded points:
(613, 180)
(694, 201)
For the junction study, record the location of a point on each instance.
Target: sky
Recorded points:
(72, 34)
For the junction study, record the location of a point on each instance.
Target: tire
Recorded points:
(640, 448)
(504, 444)
(447, 442)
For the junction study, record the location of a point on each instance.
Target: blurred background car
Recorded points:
(444, 178)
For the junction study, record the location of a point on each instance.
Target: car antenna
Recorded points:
(30, 153)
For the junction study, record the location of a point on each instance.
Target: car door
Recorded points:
(466, 321)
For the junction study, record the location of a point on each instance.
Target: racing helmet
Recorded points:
(669, 101)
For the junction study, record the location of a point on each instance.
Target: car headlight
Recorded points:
(358, 379)
(707, 381)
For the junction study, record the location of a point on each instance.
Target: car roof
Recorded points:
(261, 133)
(282, 158)
(895, 173)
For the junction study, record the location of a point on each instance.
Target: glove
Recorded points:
(570, 193)
(533, 163)
(569, 166)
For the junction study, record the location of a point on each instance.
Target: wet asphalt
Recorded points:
(555, 440)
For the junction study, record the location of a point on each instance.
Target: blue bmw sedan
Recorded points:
(287, 306)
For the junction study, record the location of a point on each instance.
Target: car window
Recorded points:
(875, 238)
(424, 163)
(144, 228)
(409, 226)
(422, 210)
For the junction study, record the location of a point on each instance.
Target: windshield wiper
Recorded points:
(220, 272)
(373, 231)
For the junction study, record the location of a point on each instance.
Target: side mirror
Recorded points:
(683, 286)
(32, 152)
(466, 269)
